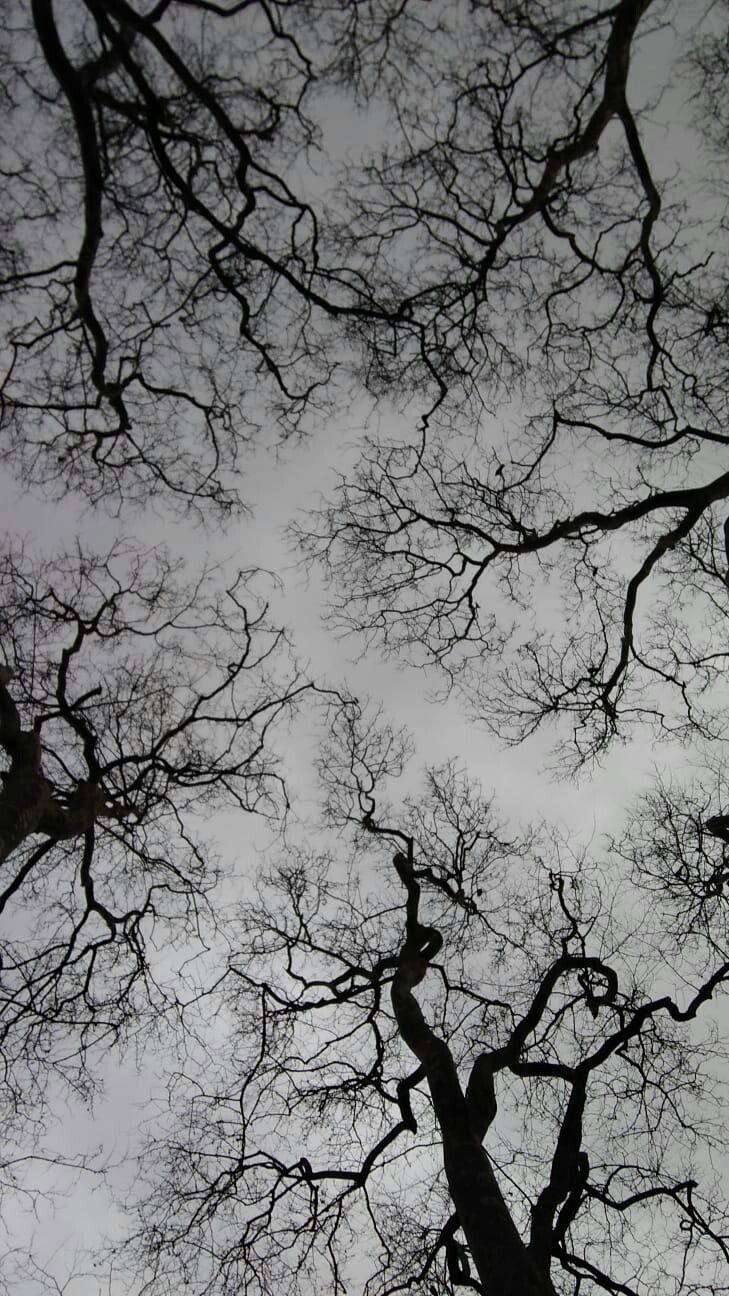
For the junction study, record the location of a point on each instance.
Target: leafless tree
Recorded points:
(472, 1057)
(560, 221)
(475, 1059)
(135, 700)
(169, 285)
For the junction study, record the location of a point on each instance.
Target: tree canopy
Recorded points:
(417, 1048)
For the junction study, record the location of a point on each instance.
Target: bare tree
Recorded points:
(470, 1057)
(473, 1059)
(156, 234)
(561, 227)
(173, 282)
(139, 700)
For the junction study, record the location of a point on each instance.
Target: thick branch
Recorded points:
(503, 1261)
(28, 801)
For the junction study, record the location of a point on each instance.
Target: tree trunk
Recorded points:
(28, 801)
(505, 1265)
(25, 800)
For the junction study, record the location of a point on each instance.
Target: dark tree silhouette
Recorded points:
(467, 1057)
(553, 535)
(166, 285)
(470, 1059)
(139, 699)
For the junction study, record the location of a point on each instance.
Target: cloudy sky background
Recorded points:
(276, 486)
(64, 1230)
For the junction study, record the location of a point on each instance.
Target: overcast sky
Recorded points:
(60, 1230)
(276, 487)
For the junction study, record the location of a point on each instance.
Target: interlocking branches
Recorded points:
(135, 696)
(473, 1063)
(561, 507)
(465, 571)
(166, 219)
(167, 288)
